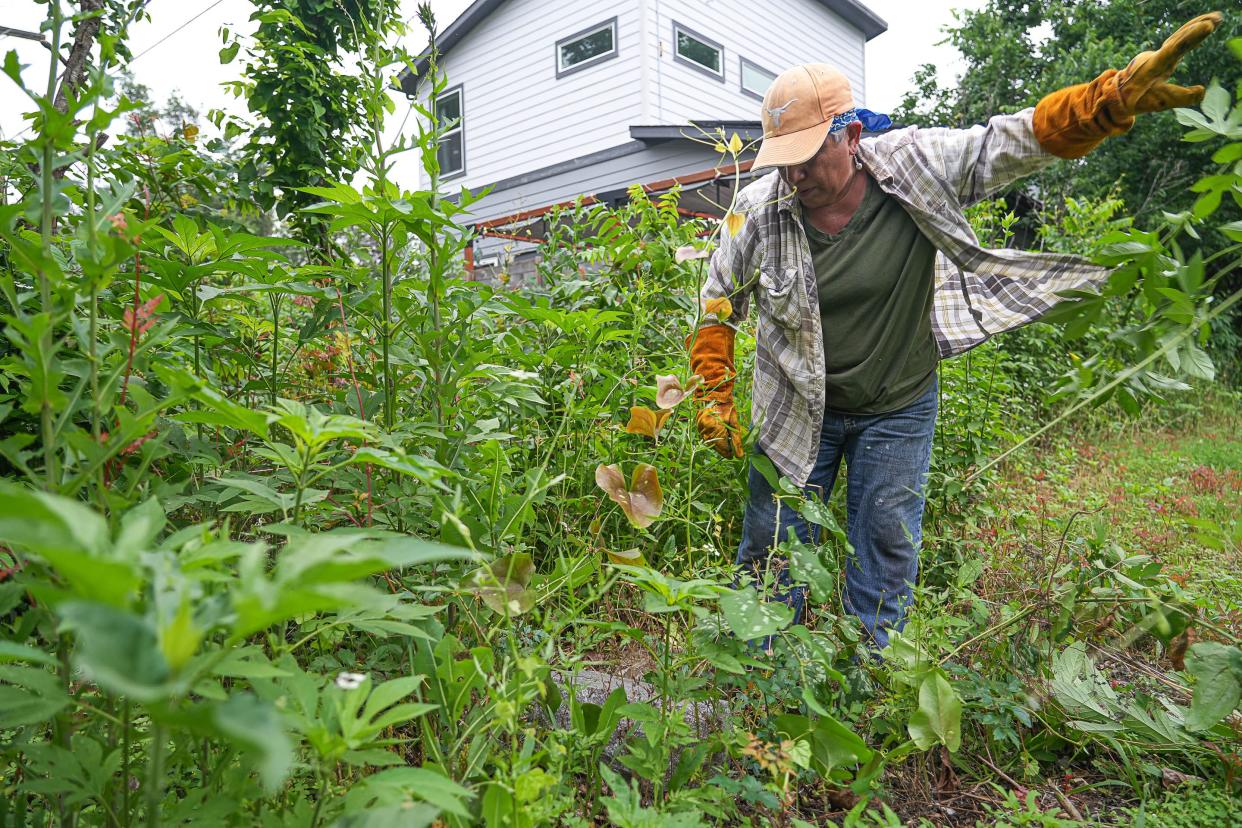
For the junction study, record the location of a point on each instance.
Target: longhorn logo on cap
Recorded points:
(775, 114)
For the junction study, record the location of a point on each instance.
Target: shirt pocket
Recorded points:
(780, 296)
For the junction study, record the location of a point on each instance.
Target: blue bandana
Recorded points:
(871, 121)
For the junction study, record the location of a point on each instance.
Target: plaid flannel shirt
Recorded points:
(933, 173)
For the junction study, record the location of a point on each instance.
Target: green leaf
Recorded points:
(396, 785)
(939, 717)
(1228, 153)
(750, 618)
(43, 522)
(140, 526)
(805, 567)
(12, 651)
(389, 693)
(118, 650)
(1217, 669)
(1233, 230)
(248, 663)
(19, 707)
(1196, 363)
(255, 725)
(1215, 102)
(502, 584)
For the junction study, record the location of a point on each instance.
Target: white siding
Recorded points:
(774, 34)
(647, 166)
(518, 115)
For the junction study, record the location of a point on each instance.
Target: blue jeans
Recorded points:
(887, 456)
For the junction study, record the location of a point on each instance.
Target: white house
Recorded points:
(562, 98)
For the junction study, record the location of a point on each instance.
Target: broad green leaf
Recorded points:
(43, 522)
(1217, 669)
(805, 567)
(938, 719)
(140, 526)
(396, 785)
(750, 618)
(256, 726)
(19, 707)
(118, 650)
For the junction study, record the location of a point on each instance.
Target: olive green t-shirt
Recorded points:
(875, 281)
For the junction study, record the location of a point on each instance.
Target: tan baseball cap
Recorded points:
(797, 113)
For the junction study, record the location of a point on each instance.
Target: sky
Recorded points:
(177, 50)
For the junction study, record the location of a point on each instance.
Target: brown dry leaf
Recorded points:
(1178, 646)
(687, 252)
(628, 557)
(646, 422)
(642, 502)
(1171, 778)
(722, 307)
(733, 222)
(669, 391)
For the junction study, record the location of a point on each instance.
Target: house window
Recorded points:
(694, 50)
(586, 48)
(755, 79)
(452, 152)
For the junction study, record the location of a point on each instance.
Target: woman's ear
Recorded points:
(853, 132)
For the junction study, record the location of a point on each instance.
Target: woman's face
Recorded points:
(825, 178)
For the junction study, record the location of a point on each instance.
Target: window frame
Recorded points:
(681, 28)
(743, 62)
(592, 61)
(460, 129)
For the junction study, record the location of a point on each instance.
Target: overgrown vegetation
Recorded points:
(297, 527)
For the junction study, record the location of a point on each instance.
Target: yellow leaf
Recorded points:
(179, 639)
(646, 422)
(733, 222)
(722, 307)
(721, 148)
(735, 144)
(627, 557)
(189, 132)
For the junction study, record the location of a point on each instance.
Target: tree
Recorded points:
(1017, 51)
(308, 106)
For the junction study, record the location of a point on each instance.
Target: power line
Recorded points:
(174, 31)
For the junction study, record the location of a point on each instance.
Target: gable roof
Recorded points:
(854, 12)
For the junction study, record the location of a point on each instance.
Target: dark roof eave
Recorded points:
(854, 12)
(748, 130)
(450, 37)
(870, 23)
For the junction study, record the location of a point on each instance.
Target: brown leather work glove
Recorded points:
(711, 357)
(1072, 121)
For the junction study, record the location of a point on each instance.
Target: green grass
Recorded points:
(1172, 491)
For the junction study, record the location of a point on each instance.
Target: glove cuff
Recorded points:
(1071, 122)
(711, 357)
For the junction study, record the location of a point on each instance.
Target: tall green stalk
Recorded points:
(55, 19)
(435, 276)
